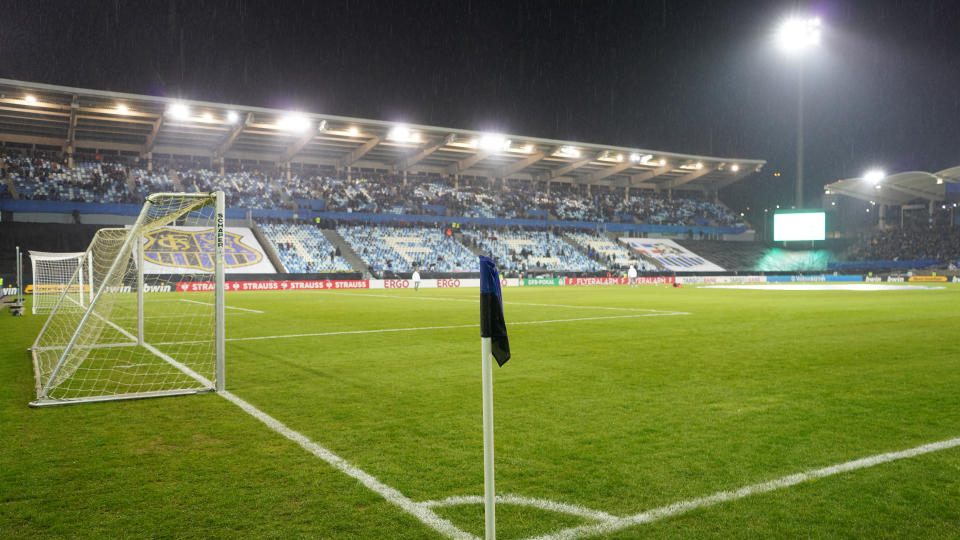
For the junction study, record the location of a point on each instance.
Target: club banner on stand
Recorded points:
(189, 250)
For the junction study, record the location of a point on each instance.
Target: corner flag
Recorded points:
(492, 324)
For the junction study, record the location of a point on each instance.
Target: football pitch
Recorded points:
(645, 412)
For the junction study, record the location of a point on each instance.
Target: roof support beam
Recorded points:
(458, 167)
(152, 137)
(358, 153)
(409, 161)
(912, 191)
(235, 132)
(689, 177)
(735, 177)
(877, 197)
(504, 172)
(596, 176)
(72, 127)
(298, 145)
(637, 179)
(570, 167)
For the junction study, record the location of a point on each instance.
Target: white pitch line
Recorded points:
(420, 328)
(420, 511)
(228, 307)
(444, 299)
(683, 507)
(542, 504)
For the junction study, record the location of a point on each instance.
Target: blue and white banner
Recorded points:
(671, 255)
(189, 250)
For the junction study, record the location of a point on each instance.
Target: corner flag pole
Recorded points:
(493, 344)
(490, 525)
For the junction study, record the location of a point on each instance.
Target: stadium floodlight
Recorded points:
(699, 165)
(939, 180)
(798, 33)
(570, 151)
(232, 117)
(734, 167)
(179, 111)
(528, 148)
(207, 117)
(492, 142)
(31, 99)
(122, 109)
(874, 176)
(402, 133)
(663, 162)
(294, 122)
(353, 131)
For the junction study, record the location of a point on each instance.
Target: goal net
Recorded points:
(51, 274)
(131, 337)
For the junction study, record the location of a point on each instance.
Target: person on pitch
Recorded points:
(632, 275)
(416, 279)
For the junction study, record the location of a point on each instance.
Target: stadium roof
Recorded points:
(81, 120)
(897, 189)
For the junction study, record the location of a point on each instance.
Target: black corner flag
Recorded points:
(492, 324)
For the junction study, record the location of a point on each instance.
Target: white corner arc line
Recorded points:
(228, 307)
(542, 504)
(423, 513)
(683, 507)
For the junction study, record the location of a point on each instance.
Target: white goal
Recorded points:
(52, 272)
(133, 335)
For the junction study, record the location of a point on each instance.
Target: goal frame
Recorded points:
(134, 242)
(85, 266)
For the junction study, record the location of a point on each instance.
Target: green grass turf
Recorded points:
(619, 415)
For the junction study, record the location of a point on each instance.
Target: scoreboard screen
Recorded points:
(799, 225)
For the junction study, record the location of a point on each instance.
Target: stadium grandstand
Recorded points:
(325, 195)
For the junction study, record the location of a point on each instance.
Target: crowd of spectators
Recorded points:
(940, 243)
(96, 181)
(38, 178)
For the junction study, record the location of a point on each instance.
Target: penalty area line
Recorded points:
(678, 508)
(227, 307)
(506, 303)
(422, 328)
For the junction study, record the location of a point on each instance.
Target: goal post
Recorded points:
(51, 274)
(134, 335)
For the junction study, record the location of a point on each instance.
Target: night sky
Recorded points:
(702, 77)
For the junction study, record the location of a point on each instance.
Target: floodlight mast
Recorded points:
(796, 35)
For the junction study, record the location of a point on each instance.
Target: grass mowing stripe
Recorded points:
(392, 495)
(417, 328)
(683, 507)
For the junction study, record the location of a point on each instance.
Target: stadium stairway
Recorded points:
(175, 178)
(458, 236)
(132, 184)
(11, 187)
(268, 248)
(347, 252)
(287, 201)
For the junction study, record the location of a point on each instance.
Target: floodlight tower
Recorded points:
(795, 36)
